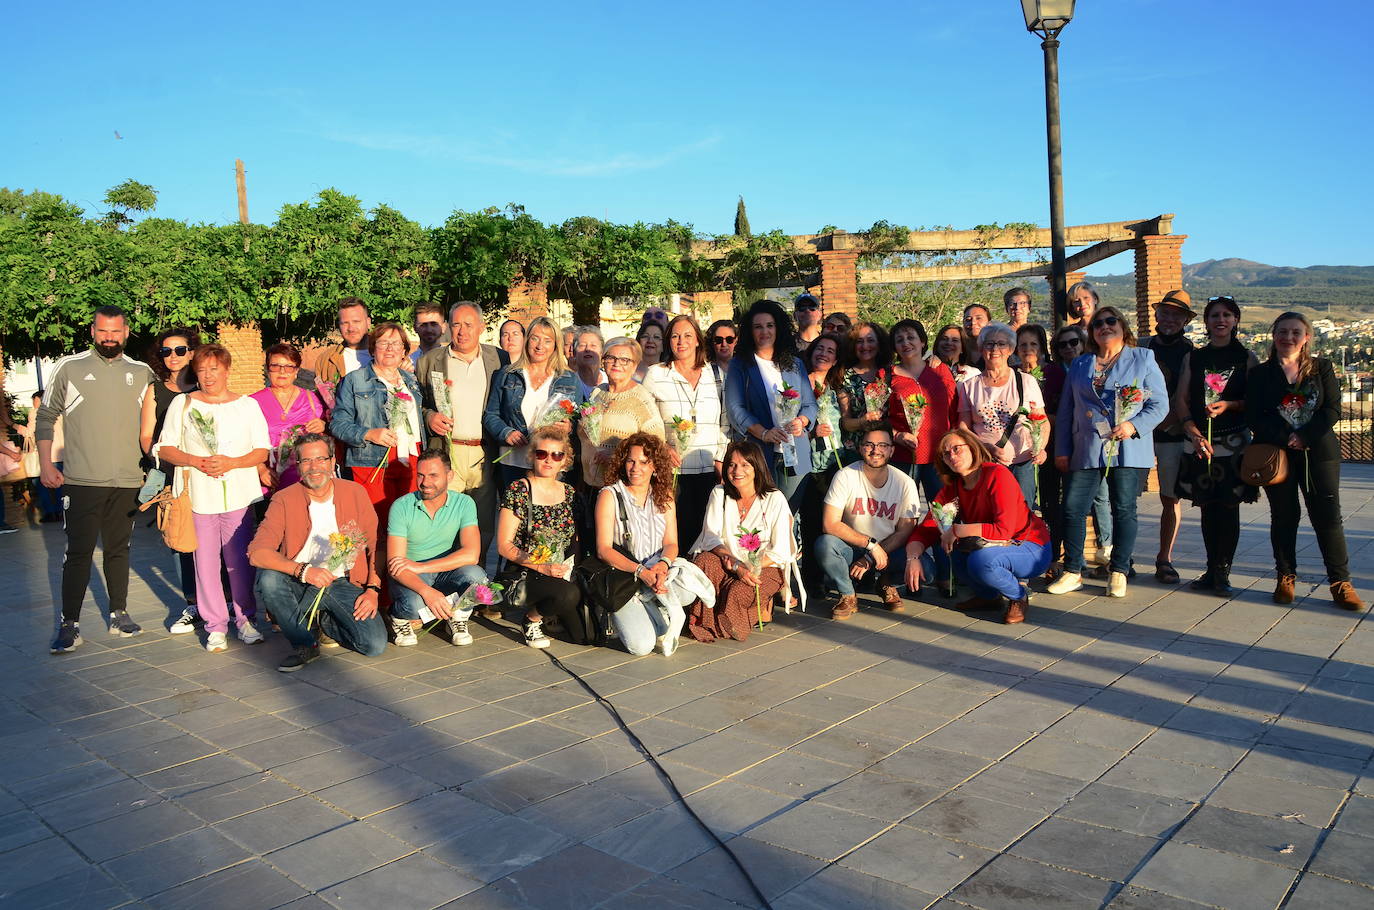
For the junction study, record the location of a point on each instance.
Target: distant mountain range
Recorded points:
(1335, 289)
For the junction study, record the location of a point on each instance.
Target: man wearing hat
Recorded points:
(806, 310)
(1172, 315)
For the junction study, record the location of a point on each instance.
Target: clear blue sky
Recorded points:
(1249, 121)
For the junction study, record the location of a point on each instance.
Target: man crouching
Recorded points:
(301, 549)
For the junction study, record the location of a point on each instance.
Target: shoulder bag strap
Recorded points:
(624, 519)
(1016, 415)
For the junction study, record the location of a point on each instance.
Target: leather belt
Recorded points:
(466, 442)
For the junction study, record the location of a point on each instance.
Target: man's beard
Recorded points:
(109, 350)
(1168, 337)
(314, 480)
(427, 496)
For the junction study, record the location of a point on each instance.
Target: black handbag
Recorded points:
(603, 585)
(513, 578)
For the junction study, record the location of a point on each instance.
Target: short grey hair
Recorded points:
(623, 342)
(997, 329)
(588, 330)
(470, 304)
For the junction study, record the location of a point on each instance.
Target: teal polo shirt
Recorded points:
(428, 537)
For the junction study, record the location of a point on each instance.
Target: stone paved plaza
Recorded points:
(1168, 750)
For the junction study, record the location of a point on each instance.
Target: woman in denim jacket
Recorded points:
(520, 391)
(1087, 422)
(377, 417)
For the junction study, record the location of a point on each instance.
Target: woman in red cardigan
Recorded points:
(996, 541)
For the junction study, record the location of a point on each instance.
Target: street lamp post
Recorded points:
(1047, 19)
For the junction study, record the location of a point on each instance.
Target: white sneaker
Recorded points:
(1104, 556)
(185, 623)
(216, 641)
(1116, 585)
(534, 635)
(404, 633)
(248, 633)
(458, 632)
(1069, 581)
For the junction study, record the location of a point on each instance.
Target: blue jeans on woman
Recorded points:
(1000, 570)
(1024, 472)
(1123, 489)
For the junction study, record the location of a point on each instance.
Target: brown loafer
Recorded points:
(1015, 611)
(979, 603)
(1343, 593)
(892, 600)
(1283, 591)
(845, 607)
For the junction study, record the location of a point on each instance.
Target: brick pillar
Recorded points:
(244, 343)
(708, 306)
(526, 300)
(839, 281)
(1158, 270)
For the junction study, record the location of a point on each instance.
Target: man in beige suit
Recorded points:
(463, 370)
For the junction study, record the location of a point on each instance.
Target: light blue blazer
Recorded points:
(1081, 411)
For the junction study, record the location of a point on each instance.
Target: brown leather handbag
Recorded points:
(1263, 465)
(174, 516)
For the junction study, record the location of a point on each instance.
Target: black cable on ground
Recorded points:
(667, 778)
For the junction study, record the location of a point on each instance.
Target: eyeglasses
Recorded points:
(995, 344)
(546, 455)
(952, 449)
(1105, 320)
(282, 367)
(875, 446)
(1068, 343)
(180, 350)
(390, 345)
(306, 462)
(611, 360)
(723, 339)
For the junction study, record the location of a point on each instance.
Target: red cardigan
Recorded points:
(994, 502)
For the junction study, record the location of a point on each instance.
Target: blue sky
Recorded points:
(1250, 122)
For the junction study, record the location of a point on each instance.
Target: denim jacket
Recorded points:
(360, 405)
(748, 401)
(507, 392)
(1081, 410)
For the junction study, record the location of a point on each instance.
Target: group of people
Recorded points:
(679, 481)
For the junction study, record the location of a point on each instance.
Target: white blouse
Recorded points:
(770, 515)
(675, 397)
(239, 428)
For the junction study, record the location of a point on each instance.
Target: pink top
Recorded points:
(988, 409)
(305, 408)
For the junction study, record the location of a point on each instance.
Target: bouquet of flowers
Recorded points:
(397, 418)
(209, 436)
(285, 449)
(1127, 402)
(344, 545)
(914, 407)
(442, 386)
(1297, 408)
(1213, 385)
(751, 542)
(546, 546)
(1036, 423)
(876, 394)
(325, 388)
(828, 413)
(944, 514)
(683, 428)
(556, 409)
(589, 416)
(1038, 372)
(483, 594)
(788, 405)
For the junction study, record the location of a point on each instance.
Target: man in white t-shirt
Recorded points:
(868, 516)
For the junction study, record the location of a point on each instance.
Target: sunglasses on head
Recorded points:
(723, 339)
(180, 350)
(546, 455)
(1105, 320)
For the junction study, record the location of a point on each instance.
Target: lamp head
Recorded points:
(1047, 18)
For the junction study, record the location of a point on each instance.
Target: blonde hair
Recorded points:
(1305, 363)
(557, 362)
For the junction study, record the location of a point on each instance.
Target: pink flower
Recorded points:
(482, 594)
(404, 396)
(791, 393)
(1216, 381)
(750, 542)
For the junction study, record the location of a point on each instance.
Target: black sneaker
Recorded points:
(304, 655)
(186, 623)
(122, 625)
(6, 528)
(68, 638)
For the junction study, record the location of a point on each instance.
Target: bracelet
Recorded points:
(300, 570)
(638, 569)
(376, 588)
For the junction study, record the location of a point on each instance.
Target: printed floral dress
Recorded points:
(554, 526)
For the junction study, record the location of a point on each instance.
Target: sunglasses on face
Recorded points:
(723, 339)
(1068, 343)
(180, 350)
(1105, 320)
(546, 455)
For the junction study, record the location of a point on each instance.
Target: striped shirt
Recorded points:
(676, 397)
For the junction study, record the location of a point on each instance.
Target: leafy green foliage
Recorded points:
(129, 196)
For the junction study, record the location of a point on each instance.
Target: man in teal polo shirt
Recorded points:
(433, 549)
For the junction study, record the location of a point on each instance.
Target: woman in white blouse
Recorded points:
(217, 439)
(686, 391)
(745, 504)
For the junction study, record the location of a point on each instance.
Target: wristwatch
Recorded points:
(377, 588)
(872, 542)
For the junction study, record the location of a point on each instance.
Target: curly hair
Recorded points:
(154, 358)
(656, 450)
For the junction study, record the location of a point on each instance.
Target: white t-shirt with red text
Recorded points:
(871, 511)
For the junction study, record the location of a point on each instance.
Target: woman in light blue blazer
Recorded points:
(765, 358)
(1087, 423)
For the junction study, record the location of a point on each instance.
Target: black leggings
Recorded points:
(549, 596)
(97, 513)
(693, 492)
(1323, 511)
(1220, 532)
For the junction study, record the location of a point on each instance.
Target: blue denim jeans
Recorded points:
(406, 604)
(1102, 515)
(1000, 570)
(835, 557)
(1123, 489)
(289, 601)
(641, 621)
(1025, 479)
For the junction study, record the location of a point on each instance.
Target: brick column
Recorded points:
(1158, 270)
(244, 343)
(839, 281)
(526, 300)
(708, 306)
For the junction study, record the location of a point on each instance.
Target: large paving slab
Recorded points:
(1165, 750)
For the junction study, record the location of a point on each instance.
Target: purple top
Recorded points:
(305, 408)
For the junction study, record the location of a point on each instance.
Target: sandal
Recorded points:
(1165, 573)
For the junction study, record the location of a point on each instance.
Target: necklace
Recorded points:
(694, 386)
